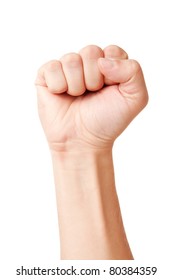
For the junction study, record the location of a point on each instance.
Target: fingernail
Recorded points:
(107, 62)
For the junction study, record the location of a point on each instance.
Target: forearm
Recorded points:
(90, 220)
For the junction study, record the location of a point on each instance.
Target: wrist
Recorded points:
(81, 159)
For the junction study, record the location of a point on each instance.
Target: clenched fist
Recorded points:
(86, 99)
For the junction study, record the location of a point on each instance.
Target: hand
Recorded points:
(86, 100)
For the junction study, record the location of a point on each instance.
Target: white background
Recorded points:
(33, 32)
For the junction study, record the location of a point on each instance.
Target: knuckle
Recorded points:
(52, 65)
(115, 51)
(135, 66)
(40, 77)
(91, 51)
(40, 70)
(71, 59)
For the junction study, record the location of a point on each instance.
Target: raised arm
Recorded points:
(85, 101)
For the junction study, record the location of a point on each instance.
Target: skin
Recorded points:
(85, 101)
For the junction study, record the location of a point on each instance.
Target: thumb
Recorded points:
(127, 73)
